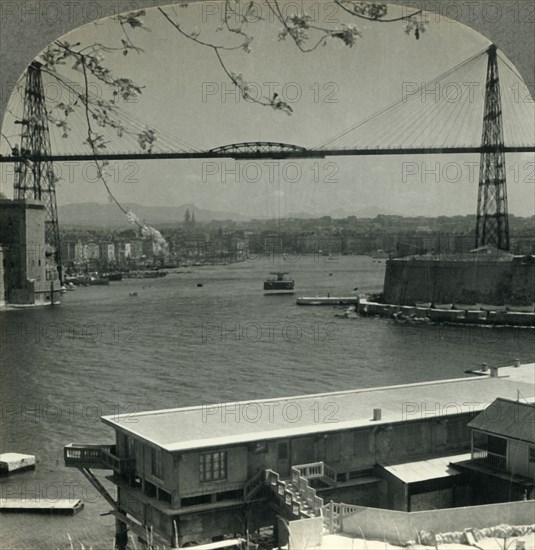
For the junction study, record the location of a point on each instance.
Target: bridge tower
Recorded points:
(35, 179)
(492, 226)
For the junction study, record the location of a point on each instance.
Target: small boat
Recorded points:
(326, 300)
(467, 307)
(490, 307)
(278, 284)
(520, 308)
(116, 276)
(423, 305)
(99, 281)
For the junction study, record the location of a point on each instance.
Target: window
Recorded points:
(213, 466)
(531, 456)
(156, 463)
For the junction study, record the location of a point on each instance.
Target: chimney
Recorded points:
(494, 372)
(376, 414)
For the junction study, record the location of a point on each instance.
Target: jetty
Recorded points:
(41, 506)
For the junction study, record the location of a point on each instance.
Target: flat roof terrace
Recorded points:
(223, 424)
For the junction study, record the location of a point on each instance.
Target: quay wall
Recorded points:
(469, 281)
(400, 527)
(472, 316)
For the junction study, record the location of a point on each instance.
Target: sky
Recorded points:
(187, 94)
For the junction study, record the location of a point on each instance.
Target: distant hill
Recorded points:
(91, 214)
(367, 212)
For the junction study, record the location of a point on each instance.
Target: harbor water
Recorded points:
(146, 344)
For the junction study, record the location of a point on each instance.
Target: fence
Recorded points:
(400, 527)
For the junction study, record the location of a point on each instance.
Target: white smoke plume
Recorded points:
(161, 248)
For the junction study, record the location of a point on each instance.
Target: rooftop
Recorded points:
(246, 421)
(423, 470)
(514, 419)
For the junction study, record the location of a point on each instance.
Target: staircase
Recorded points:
(295, 495)
(299, 500)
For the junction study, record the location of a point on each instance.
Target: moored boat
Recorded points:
(445, 315)
(326, 300)
(490, 307)
(115, 276)
(520, 308)
(467, 307)
(99, 281)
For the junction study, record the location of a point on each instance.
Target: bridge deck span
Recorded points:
(251, 155)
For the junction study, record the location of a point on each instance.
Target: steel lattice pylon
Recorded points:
(492, 226)
(36, 179)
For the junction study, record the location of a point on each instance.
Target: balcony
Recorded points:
(97, 457)
(487, 458)
(317, 470)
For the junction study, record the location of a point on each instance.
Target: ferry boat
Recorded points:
(278, 284)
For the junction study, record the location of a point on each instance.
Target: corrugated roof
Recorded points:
(239, 422)
(507, 418)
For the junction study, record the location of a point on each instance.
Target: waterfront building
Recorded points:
(30, 273)
(79, 253)
(485, 276)
(502, 462)
(91, 252)
(200, 472)
(110, 252)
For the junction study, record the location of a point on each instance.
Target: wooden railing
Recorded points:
(484, 456)
(97, 456)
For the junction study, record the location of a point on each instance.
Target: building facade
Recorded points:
(30, 274)
(502, 463)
